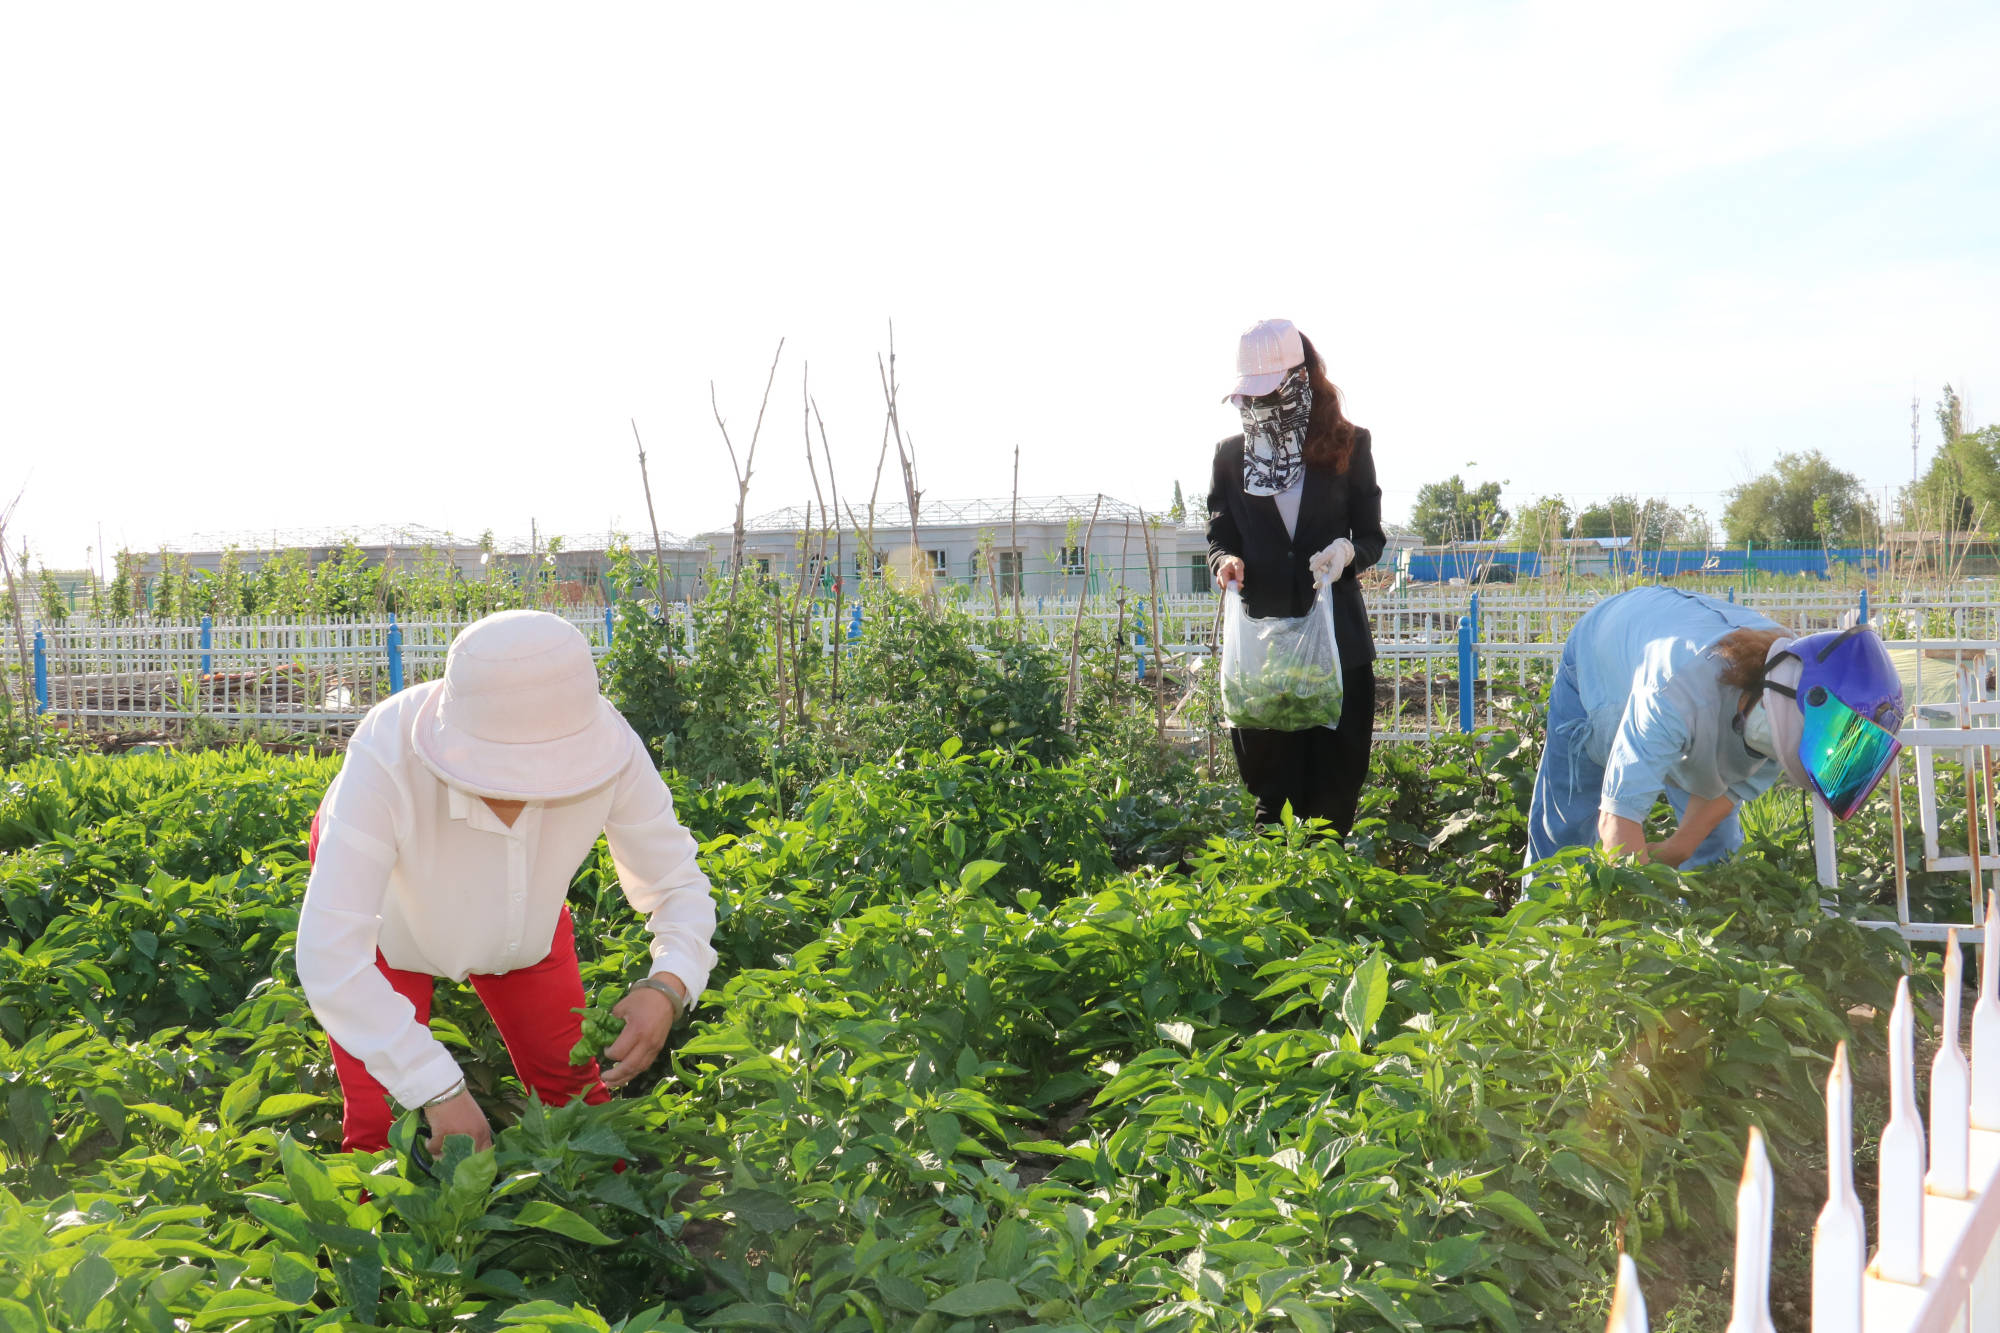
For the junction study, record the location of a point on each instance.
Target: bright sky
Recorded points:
(280, 267)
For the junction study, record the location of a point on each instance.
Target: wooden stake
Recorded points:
(14, 602)
(659, 551)
(1076, 628)
(1014, 541)
(1159, 638)
(743, 471)
(837, 636)
(906, 451)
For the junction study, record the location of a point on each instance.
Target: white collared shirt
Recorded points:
(431, 876)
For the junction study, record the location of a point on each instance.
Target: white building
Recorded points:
(1046, 544)
(578, 564)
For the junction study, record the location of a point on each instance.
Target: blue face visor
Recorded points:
(1844, 753)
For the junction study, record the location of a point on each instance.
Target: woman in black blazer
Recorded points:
(1293, 503)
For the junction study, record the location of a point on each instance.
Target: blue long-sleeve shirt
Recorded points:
(1658, 710)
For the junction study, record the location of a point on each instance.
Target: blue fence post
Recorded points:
(1864, 606)
(1466, 667)
(395, 655)
(854, 625)
(1139, 637)
(607, 627)
(1475, 622)
(41, 672)
(207, 642)
(1732, 594)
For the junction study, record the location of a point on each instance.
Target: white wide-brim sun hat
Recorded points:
(518, 716)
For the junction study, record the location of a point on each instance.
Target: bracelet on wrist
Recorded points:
(676, 999)
(453, 1091)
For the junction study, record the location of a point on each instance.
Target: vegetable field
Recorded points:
(994, 1043)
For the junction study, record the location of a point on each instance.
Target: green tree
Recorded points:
(1961, 488)
(1803, 498)
(1178, 511)
(1654, 522)
(1950, 416)
(1546, 520)
(1615, 517)
(53, 606)
(1449, 511)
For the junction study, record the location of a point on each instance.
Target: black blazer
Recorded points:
(1277, 580)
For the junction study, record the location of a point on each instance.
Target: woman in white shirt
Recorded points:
(444, 849)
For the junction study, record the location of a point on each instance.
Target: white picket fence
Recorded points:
(316, 675)
(1936, 1267)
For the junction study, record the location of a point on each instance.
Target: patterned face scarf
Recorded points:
(1274, 434)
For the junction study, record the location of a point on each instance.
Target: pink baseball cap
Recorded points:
(1266, 351)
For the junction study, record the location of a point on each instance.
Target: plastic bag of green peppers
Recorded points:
(600, 1028)
(1280, 674)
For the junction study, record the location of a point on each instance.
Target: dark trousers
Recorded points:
(1320, 771)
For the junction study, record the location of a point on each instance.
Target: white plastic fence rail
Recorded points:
(320, 674)
(1936, 1267)
(1972, 743)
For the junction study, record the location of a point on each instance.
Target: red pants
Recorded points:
(531, 1007)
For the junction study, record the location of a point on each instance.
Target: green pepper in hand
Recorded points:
(600, 1028)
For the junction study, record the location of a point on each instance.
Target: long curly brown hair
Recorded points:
(1329, 434)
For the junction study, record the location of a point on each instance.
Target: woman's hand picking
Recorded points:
(649, 1016)
(460, 1115)
(1229, 573)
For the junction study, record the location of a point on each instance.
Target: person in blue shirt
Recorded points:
(1665, 692)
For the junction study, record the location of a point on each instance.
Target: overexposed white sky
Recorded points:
(289, 267)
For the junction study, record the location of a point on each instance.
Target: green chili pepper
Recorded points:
(600, 1028)
(1282, 698)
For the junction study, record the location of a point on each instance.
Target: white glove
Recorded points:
(1330, 564)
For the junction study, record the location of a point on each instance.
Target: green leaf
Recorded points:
(743, 1314)
(1494, 1304)
(1366, 995)
(294, 1279)
(161, 1115)
(287, 1103)
(549, 1315)
(240, 1303)
(761, 1210)
(942, 1128)
(1303, 1318)
(975, 874)
(547, 1216)
(900, 1292)
(241, 1097)
(88, 1283)
(312, 1187)
(987, 1296)
(1513, 1210)
(1568, 1168)
(1180, 1034)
